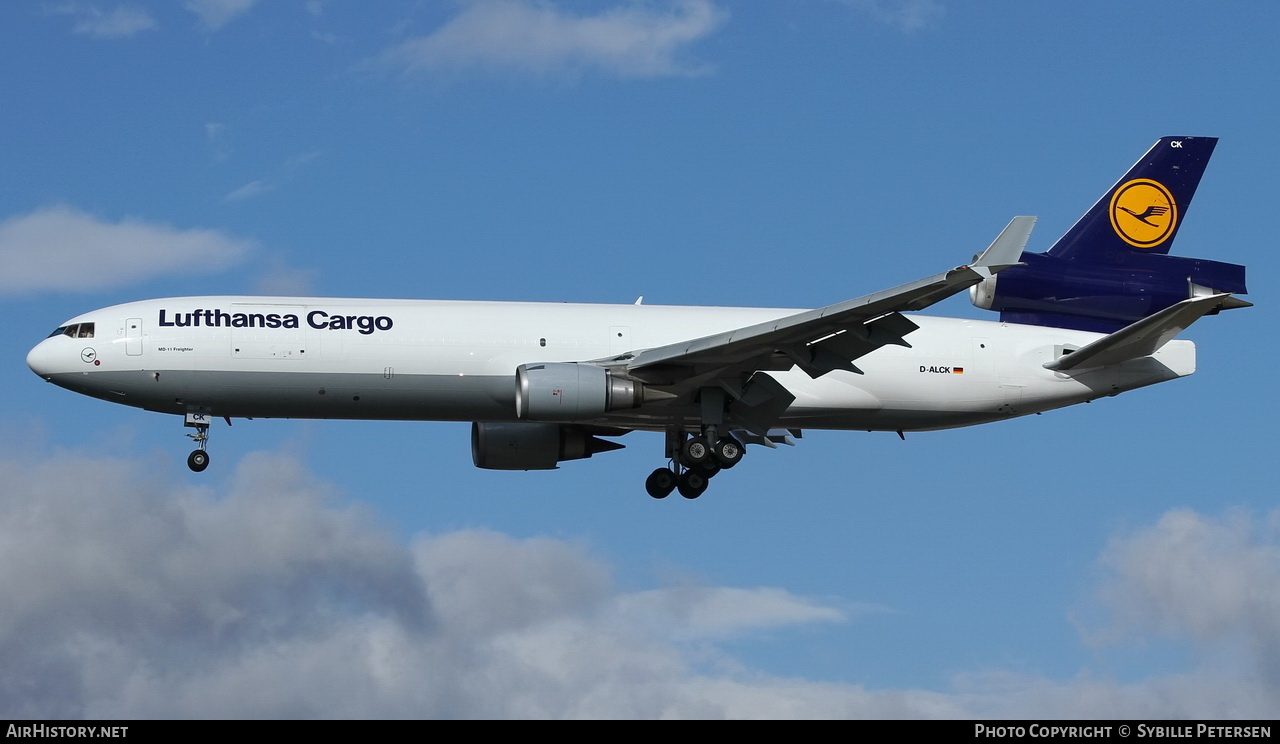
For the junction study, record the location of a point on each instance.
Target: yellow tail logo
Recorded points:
(1143, 213)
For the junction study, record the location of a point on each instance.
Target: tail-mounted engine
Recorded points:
(1100, 297)
(1113, 267)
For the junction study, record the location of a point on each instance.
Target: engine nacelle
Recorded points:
(1099, 297)
(559, 391)
(534, 446)
(983, 294)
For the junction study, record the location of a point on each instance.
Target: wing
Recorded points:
(817, 341)
(822, 340)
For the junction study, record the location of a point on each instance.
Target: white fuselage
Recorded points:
(447, 360)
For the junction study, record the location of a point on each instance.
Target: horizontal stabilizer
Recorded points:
(1142, 338)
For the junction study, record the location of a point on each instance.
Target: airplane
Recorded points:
(545, 383)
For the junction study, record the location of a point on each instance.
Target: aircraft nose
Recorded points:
(40, 359)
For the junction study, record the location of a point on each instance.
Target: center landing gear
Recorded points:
(198, 460)
(694, 461)
(728, 451)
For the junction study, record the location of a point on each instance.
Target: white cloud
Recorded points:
(631, 40)
(214, 14)
(216, 135)
(129, 594)
(120, 22)
(721, 612)
(260, 186)
(279, 278)
(1214, 582)
(250, 190)
(62, 248)
(908, 15)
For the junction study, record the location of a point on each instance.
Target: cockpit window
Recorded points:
(79, 330)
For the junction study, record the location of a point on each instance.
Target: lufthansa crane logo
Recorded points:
(1143, 213)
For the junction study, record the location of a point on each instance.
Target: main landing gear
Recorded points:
(694, 461)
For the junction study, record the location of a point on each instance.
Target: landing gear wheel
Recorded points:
(692, 484)
(708, 469)
(728, 452)
(695, 451)
(198, 460)
(660, 483)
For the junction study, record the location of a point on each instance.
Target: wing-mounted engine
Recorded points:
(558, 391)
(533, 446)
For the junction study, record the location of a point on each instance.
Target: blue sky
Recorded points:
(1117, 559)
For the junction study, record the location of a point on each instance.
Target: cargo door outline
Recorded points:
(259, 342)
(133, 337)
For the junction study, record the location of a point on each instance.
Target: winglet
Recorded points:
(1006, 249)
(1142, 338)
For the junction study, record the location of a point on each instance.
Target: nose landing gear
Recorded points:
(198, 460)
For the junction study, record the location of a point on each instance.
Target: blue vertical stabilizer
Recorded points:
(1112, 267)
